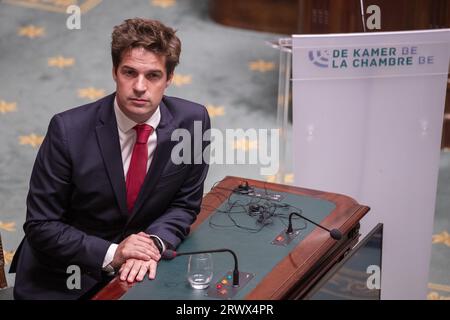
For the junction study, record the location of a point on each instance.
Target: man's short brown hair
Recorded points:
(149, 34)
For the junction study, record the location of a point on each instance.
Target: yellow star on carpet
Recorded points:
(163, 3)
(442, 237)
(261, 65)
(180, 80)
(7, 106)
(433, 295)
(60, 62)
(64, 3)
(245, 144)
(31, 31)
(32, 140)
(215, 111)
(55, 5)
(288, 178)
(8, 256)
(91, 93)
(280, 99)
(8, 226)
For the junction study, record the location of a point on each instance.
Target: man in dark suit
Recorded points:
(105, 195)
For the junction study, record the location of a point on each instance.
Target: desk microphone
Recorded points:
(170, 254)
(334, 233)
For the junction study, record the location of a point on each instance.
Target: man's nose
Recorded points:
(140, 85)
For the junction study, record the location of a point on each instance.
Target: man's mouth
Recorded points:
(139, 101)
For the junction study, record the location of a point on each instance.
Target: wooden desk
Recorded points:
(297, 272)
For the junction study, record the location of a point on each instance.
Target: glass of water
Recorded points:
(200, 270)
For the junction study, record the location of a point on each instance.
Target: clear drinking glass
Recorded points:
(200, 270)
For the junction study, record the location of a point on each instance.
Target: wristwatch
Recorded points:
(157, 243)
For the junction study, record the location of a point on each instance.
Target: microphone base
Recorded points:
(283, 239)
(224, 289)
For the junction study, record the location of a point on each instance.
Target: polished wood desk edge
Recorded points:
(115, 289)
(308, 254)
(220, 192)
(326, 262)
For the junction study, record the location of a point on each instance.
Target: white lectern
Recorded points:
(367, 122)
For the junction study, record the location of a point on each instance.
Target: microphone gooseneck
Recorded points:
(170, 254)
(334, 233)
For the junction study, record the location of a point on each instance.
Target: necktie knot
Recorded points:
(143, 131)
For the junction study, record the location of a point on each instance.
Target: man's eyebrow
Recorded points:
(146, 71)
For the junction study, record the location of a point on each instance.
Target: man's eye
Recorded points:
(129, 72)
(153, 76)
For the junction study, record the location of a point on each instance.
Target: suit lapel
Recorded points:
(108, 140)
(160, 157)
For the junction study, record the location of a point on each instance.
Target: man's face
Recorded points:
(141, 79)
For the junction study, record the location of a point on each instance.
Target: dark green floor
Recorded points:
(232, 71)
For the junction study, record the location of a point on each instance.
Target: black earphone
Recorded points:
(254, 208)
(263, 214)
(243, 188)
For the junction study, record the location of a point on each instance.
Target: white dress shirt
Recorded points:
(127, 138)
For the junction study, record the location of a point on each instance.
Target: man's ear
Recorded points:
(169, 80)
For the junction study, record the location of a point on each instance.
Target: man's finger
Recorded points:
(143, 234)
(152, 269)
(134, 271)
(141, 256)
(142, 241)
(146, 246)
(126, 267)
(136, 254)
(154, 254)
(142, 271)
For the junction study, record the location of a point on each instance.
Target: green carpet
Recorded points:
(46, 68)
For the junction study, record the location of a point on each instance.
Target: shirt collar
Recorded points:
(125, 124)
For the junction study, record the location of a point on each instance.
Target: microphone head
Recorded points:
(168, 254)
(336, 234)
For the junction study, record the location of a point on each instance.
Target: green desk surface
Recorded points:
(255, 252)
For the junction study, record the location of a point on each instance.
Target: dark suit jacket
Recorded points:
(76, 206)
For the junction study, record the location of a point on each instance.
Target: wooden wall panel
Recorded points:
(328, 16)
(279, 16)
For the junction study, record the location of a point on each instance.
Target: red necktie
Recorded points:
(138, 165)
